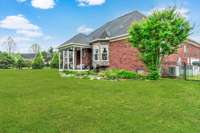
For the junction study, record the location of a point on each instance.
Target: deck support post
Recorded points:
(63, 59)
(73, 58)
(81, 58)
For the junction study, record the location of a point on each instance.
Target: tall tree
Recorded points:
(51, 52)
(55, 61)
(38, 62)
(35, 48)
(157, 36)
(10, 45)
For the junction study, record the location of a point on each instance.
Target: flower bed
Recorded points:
(111, 74)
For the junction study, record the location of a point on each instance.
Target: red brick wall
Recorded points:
(171, 60)
(123, 56)
(192, 52)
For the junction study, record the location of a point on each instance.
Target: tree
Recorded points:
(35, 48)
(6, 61)
(48, 55)
(51, 52)
(10, 44)
(45, 57)
(157, 36)
(20, 63)
(55, 61)
(38, 62)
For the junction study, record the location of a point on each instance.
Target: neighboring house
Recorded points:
(188, 53)
(28, 56)
(106, 47)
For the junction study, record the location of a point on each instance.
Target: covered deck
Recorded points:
(75, 57)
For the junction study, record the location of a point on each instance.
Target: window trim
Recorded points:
(102, 49)
(94, 55)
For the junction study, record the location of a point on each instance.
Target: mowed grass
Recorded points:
(41, 101)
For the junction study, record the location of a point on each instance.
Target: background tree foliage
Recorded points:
(38, 62)
(20, 63)
(157, 36)
(6, 61)
(55, 61)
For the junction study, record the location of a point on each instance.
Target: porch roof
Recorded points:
(80, 40)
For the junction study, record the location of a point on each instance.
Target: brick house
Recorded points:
(188, 53)
(108, 47)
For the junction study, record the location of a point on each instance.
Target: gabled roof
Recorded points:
(195, 43)
(77, 39)
(116, 27)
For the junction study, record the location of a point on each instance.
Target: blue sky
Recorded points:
(51, 22)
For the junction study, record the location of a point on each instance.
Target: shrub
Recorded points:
(80, 73)
(20, 63)
(6, 61)
(27, 63)
(38, 62)
(153, 74)
(127, 75)
(55, 61)
(119, 74)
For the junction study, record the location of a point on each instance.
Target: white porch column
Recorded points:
(68, 59)
(73, 58)
(81, 59)
(59, 60)
(63, 59)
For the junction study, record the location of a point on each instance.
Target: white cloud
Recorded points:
(26, 33)
(43, 4)
(84, 29)
(30, 33)
(18, 22)
(91, 2)
(21, 25)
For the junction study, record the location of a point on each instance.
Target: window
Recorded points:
(185, 49)
(105, 54)
(172, 71)
(96, 54)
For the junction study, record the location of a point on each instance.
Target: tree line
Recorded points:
(9, 59)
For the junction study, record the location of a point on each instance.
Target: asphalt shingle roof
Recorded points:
(28, 55)
(116, 27)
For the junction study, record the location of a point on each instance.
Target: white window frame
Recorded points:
(102, 50)
(94, 54)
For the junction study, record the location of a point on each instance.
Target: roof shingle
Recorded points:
(116, 27)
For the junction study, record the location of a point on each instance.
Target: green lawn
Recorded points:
(43, 102)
